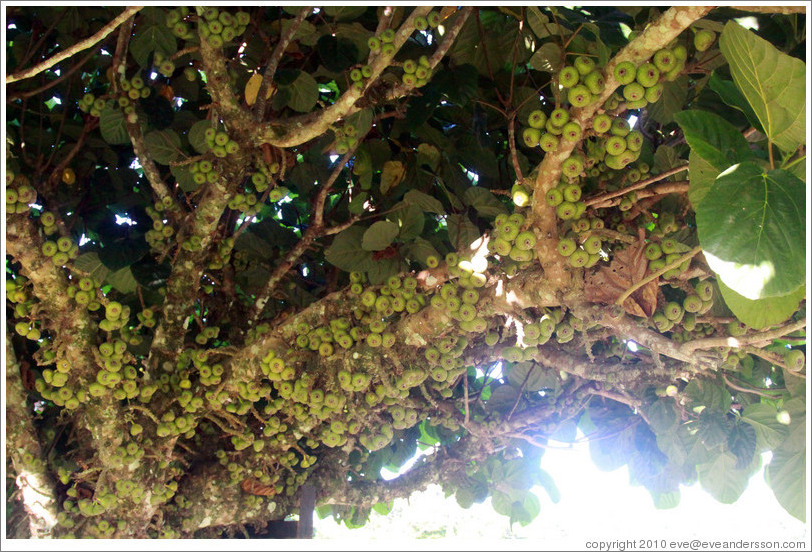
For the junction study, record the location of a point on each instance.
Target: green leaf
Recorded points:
(773, 82)
(673, 99)
(379, 236)
(424, 201)
(533, 376)
(665, 159)
(419, 250)
(751, 227)
(769, 433)
(344, 13)
(547, 58)
(486, 204)
(465, 497)
(501, 503)
(346, 252)
(460, 83)
(666, 500)
(383, 508)
(337, 54)
(90, 264)
(392, 175)
(197, 136)
(733, 97)
(702, 176)
(112, 126)
(662, 416)
(428, 155)
(786, 476)
(461, 231)
(157, 38)
(122, 280)
(163, 146)
(741, 441)
(184, 178)
(502, 399)
(712, 428)
(544, 479)
(713, 138)
(707, 393)
(761, 313)
(304, 92)
(721, 478)
(410, 221)
(539, 23)
(362, 121)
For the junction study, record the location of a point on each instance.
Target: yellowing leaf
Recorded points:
(252, 89)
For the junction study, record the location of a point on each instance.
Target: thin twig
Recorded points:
(76, 48)
(748, 390)
(737, 342)
(636, 186)
(693, 252)
(276, 57)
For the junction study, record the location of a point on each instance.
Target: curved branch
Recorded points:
(76, 48)
(602, 198)
(298, 130)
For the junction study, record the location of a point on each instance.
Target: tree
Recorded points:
(249, 249)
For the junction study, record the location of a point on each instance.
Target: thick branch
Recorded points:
(599, 200)
(737, 342)
(76, 48)
(23, 447)
(655, 36)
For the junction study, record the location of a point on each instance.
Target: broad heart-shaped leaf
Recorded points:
(486, 204)
(90, 264)
(741, 441)
(344, 13)
(336, 53)
(774, 84)
(761, 313)
(419, 250)
(666, 158)
(163, 146)
(424, 201)
(153, 38)
(666, 500)
(547, 57)
(708, 394)
(304, 91)
(502, 399)
(346, 252)
(392, 175)
(530, 376)
(197, 136)
(702, 176)
(112, 126)
(673, 99)
(545, 480)
(409, 219)
(769, 433)
(184, 178)
(380, 235)
(713, 138)
(751, 227)
(733, 97)
(122, 280)
(786, 476)
(721, 478)
(461, 231)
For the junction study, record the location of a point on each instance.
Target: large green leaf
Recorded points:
(721, 478)
(152, 38)
(484, 201)
(530, 376)
(112, 126)
(424, 201)
(392, 175)
(461, 231)
(197, 136)
(380, 235)
(410, 221)
(733, 97)
(761, 313)
(90, 264)
(122, 280)
(304, 92)
(774, 84)
(702, 176)
(163, 146)
(713, 138)
(337, 54)
(544, 479)
(751, 227)
(346, 252)
(786, 476)
(673, 99)
(344, 13)
(762, 417)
